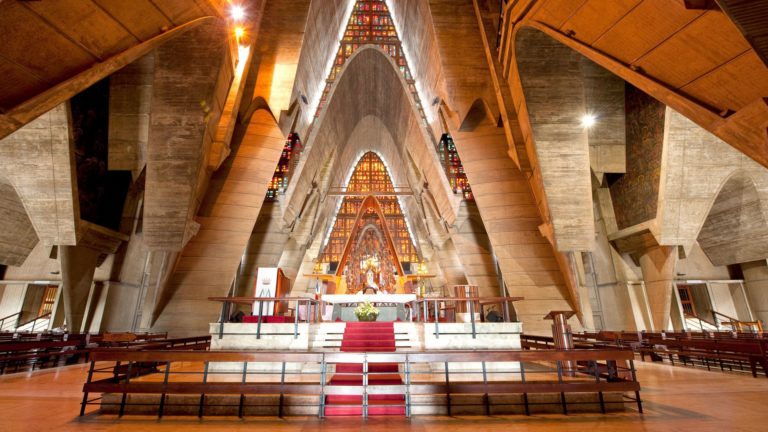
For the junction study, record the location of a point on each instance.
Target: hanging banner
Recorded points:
(266, 286)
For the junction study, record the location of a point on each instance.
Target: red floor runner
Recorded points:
(366, 337)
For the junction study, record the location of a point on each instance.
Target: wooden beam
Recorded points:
(47, 100)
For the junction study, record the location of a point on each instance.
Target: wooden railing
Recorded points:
(736, 324)
(194, 374)
(56, 350)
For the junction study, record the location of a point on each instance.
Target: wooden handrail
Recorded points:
(596, 370)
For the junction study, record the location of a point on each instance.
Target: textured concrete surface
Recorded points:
(130, 104)
(38, 160)
(736, 229)
(18, 238)
(696, 166)
(354, 96)
(756, 284)
(658, 266)
(208, 263)
(555, 102)
(511, 219)
(78, 265)
(191, 79)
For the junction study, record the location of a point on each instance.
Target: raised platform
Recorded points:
(327, 337)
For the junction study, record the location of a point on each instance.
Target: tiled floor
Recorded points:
(675, 399)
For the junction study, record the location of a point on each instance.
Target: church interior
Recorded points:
(367, 214)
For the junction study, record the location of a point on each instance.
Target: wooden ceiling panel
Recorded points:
(733, 85)
(16, 83)
(86, 24)
(555, 12)
(179, 11)
(140, 17)
(645, 27)
(595, 17)
(37, 46)
(683, 57)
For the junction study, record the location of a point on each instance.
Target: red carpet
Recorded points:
(366, 337)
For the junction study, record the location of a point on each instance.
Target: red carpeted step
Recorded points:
(366, 337)
(368, 343)
(372, 367)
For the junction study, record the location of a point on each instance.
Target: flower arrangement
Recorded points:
(366, 312)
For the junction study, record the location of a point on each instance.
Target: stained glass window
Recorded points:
(454, 170)
(371, 23)
(370, 176)
(285, 166)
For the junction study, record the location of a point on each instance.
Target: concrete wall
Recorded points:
(117, 308)
(756, 281)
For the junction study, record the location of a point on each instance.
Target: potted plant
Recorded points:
(366, 312)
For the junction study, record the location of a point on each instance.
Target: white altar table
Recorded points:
(392, 306)
(373, 298)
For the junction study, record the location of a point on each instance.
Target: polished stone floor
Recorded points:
(675, 399)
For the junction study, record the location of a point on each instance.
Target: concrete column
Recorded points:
(756, 284)
(78, 265)
(658, 267)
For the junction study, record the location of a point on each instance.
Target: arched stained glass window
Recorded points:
(370, 177)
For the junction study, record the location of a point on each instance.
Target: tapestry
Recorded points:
(635, 194)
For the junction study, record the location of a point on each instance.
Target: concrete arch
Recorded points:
(696, 167)
(736, 227)
(370, 84)
(371, 135)
(18, 237)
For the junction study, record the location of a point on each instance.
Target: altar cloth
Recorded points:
(373, 298)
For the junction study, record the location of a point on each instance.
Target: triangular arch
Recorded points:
(370, 203)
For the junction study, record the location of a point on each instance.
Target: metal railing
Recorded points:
(312, 308)
(7, 320)
(189, 376)
(421, 309)
(32, 326)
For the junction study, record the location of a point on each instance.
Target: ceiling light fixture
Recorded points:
(239, 32)
(237, 12)
(588, 120)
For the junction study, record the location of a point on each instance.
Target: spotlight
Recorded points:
(239, 32)
(237, 12)
(588, 120)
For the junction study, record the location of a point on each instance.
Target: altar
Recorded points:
(391, 306)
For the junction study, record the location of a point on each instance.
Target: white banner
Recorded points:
(266, 286)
